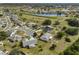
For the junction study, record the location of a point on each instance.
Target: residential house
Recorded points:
(15, 37)
(47, 28)
(28, 31)
(46, 37)
(29, 42)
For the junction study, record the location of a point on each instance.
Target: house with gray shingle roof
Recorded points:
(46, 37)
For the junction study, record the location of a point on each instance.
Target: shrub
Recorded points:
(67, 39)
(64, 28)
(3, 35)
(68, 52)
(75, 47)
(1, 14)
(73, 22)
(53, 47)
(60, 34)
(72, 31)
(16, 52)
(40, 49)
(47, 22)
(40, 46)
(35, 34)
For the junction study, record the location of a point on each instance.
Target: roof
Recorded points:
(46, 36)
(29, 31)
(29, 38)
(30, 41)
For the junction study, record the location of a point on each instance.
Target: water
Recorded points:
(49, 14)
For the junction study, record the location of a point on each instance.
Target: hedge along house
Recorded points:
(29, 41)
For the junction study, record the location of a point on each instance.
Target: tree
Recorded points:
(72, 31)
(60, 34)
(40, 49)
(64, 28)
(67, 39)
(1, 15)
(68, 52)
(35, 34)
(47, 22)
(53, 47)
(73, 22)
(16, 52)
(3, 35)
(73, 50)
(56, 23)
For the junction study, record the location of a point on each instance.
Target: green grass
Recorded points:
(61, 44)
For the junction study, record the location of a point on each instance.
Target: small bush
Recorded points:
(64, 28)
(53, 47)
(35, 34)
(68, 52)
(3, 35)
(40, 46)
(67, 39)
(60, 34)
(16, 52)
(47, 22)
(40, 49)
(1, 15)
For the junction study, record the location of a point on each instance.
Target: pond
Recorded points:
(49, 15)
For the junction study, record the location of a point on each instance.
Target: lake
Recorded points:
(55, 14)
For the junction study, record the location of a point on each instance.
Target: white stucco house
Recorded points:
(46, 37)
(30, 42)
(15, 37)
